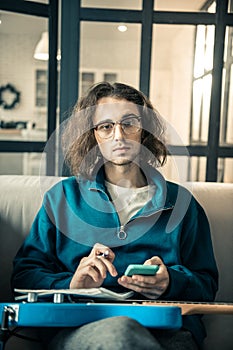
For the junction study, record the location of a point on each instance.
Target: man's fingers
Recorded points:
(104, 263)
(155, 260)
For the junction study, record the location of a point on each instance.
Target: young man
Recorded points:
(117, 203)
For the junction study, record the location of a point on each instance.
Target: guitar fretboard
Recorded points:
(190, 308)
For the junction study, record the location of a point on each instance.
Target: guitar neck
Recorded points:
(188, 308)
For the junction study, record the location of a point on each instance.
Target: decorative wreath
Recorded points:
(9, 96)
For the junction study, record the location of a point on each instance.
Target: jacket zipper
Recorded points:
(122, 234)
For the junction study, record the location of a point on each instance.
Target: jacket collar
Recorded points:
(159, 201)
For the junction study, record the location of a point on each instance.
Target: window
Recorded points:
(41, 88)
(87, 80)
(179, 53)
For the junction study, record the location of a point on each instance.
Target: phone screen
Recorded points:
(137, 269)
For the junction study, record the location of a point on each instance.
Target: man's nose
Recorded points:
(118, 132)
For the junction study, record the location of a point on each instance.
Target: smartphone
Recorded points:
(137, 269)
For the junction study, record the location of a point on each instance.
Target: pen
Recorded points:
(104, 254)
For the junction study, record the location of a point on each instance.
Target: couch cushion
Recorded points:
(21, 197)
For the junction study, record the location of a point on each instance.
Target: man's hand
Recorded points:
(151, 287)
(93, 269)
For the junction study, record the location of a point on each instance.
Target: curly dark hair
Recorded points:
(81, 151)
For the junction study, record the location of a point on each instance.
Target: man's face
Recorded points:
(120, 147)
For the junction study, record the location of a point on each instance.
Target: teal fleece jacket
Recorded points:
(76, 213)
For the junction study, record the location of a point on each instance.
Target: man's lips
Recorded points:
(121, 149)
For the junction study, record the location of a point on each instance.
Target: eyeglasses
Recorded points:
(129, 125)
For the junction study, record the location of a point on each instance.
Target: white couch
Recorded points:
(21, 197)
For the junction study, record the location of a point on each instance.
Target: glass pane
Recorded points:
(204, 44)
(183, 5)
(182, 169)
(171, 84)
(225, 170)
(197, 169)
(176, 169)
(110, 77)
(22, 164)
(23, 79)
(202, 84)
(110, 54)
(21, 131)
(87, 79)
(226, 127)
(113, 4)
(230, 6)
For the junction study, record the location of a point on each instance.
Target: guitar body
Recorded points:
(73, 315)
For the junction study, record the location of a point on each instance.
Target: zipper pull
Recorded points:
(122, 234)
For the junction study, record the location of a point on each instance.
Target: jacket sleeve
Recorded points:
(36, 265)
(196, 277)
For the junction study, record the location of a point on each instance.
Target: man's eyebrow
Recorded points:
(130, 115)
(103, 122)
(108, 120)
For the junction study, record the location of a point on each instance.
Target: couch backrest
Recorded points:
(217, 200)
(21, 197)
